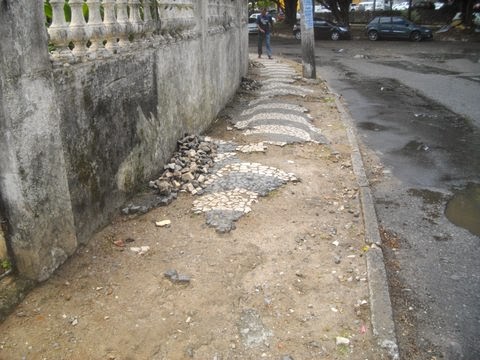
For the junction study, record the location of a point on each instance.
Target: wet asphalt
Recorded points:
(417, 111)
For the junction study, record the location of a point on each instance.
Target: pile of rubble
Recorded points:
(250, 84)
(188, 167)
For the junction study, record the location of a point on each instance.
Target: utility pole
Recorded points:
(308, 40)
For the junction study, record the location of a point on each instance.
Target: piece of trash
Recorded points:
(339, 340)
(335, 310)
(290, 161)
(74, 322)
(140, 250)
(363, 329)
(175, 277)
(98, 288)
(163, 223)
(336, 243)
(119, 243)
(129, 240)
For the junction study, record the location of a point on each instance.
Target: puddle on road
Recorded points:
(421, 69)
(414, 146)
(464, 209)
(372, 126)
(428, 196)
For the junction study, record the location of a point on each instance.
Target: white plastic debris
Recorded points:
(140, 250)
(163, 223)
(339, 340)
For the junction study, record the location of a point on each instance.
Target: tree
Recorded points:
(290, 11)
(340, 10)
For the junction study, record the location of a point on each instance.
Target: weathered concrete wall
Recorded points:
(77, 140)
(33, 182)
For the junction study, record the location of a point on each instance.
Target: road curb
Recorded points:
(380, 304)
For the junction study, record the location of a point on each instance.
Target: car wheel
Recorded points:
(415, 36)
(373, 35)
(335, 35)
(298, 35)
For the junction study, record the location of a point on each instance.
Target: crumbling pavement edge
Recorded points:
(380, 304)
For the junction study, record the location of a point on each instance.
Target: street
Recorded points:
(415, 107)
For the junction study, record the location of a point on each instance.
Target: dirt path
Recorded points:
(285, 284)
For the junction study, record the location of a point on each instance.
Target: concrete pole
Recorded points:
(33, 180)
(308, 40)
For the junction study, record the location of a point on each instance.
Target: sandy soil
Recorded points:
(284, 285)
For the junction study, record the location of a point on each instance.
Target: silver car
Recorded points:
(252, 26)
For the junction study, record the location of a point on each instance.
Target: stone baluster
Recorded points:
(158, 22)
(97, 30)
(59, 33)
(164, 12)
(148, 23)
(191, 22)
(78, 29)
(174, 21)
(136, 26)
(123, 23)
(111, 25)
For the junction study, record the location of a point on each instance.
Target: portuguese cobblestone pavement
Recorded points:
(233, 186)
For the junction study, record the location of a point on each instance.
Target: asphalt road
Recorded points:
(417, 111)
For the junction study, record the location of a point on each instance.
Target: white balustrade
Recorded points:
(135, 21)
(177, 19)
(78, 29)
(148, 22)
(126, 20)
(111, 25)
(97, 30)
(123, 24)
(58, 32)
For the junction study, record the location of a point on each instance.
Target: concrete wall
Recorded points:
(77, 140)
(33, 181)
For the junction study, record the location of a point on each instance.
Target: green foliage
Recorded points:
(6, 264)
(264, 4)
(414, 16)
(47, 8)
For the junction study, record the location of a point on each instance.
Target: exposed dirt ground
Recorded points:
(287, 281)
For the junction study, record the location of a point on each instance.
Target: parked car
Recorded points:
(252, 26)
(255, 16)
(396, 27)
(324, 29)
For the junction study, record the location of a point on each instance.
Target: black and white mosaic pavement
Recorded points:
(234, 186)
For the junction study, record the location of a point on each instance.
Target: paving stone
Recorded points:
(275, 116)
(272, 106)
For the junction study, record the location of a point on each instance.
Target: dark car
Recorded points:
(396, 27)
(324, 29)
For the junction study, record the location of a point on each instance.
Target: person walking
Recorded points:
(265, 27)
